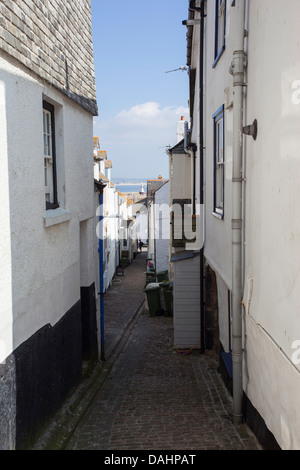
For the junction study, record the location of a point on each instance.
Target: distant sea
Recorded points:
(130, 188)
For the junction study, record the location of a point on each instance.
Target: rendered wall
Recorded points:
(272, 282)
(162, 225)
(41, 284)
(271, 204)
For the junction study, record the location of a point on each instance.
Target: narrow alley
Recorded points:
(154, 398)
(150, 226)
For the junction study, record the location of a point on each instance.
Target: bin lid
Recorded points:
(152, 286)
(166, 284)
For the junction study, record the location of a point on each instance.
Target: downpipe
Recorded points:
(237, 70)
(101, 252)
(201, 165)
(190, 149)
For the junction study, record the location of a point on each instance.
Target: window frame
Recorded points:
(218, 53)
(181, 242)
(51, 110)
(217, 117)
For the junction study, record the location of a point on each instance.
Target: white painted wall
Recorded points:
(162, 228)
(181, 176)
(42, 270)
(139, 211)
(111, 221)
(217, 80)
(271, 210)
(272, 295)
(6, 317)
(151, 232)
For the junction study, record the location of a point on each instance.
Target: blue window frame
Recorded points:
(219, 162)
(220, 29)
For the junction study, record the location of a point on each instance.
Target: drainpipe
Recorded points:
(154, 233)
(100, 250)
(201, 145)
(237, 70)
(191, 151)
(190, 23)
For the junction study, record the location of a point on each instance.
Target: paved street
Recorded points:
(154, 398)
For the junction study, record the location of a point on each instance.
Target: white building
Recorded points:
(162, 228)
(47, 280)
(244, 68)
(184, 246)
(140, 213)
(110, 213)
(127, 230)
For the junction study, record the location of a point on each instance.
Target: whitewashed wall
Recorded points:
(42, 263)
(271, 205)
(162, 225)
(151, 234)
(111, 230)
(217, 80)
(6, 314)
(272, 291)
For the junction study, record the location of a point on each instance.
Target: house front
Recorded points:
(243, 68)
(47, 280)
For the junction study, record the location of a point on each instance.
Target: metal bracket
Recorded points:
(191, 22)
(251, 130)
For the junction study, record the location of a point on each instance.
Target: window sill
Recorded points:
(218, 57)
(218, 216)
(56, 216)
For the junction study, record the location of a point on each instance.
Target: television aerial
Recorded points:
(182, 68)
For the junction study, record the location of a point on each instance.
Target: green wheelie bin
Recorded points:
(150, 277)
(167, 288)
(162, 276)
(152, 291)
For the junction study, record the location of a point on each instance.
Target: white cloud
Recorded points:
(150, 114)
(143, 122)
(144, 111)
(139, 135)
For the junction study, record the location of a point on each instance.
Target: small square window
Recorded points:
(220, 28)
(219, 162)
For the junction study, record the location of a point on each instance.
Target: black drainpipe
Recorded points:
(194, 149)
(201, 72)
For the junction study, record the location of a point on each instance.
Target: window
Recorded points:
(219, 162)
(49, 156)
(220, 27)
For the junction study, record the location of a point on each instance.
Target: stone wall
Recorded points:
(53, 38)
(7, 404)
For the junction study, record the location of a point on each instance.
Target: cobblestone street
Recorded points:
(154, 398)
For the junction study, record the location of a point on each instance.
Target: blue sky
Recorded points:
(135, 43)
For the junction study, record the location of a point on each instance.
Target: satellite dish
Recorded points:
(182, 68)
